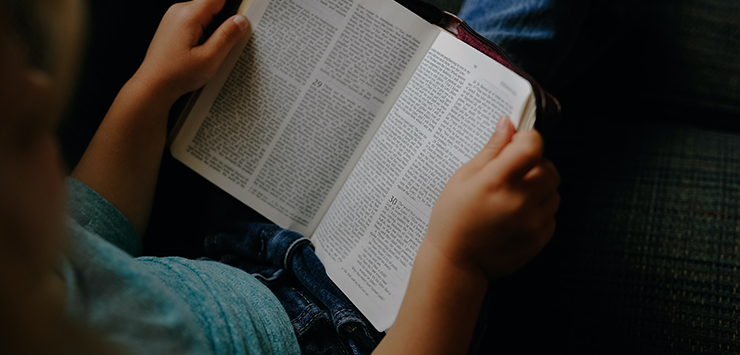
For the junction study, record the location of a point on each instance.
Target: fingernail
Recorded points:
(501, 122)
(241, 22)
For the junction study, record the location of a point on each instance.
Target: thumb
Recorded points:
(225, 38)
(501, 137)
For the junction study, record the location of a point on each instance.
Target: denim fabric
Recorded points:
(555, 41)
(324, 320)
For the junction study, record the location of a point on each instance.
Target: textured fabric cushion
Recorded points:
(646, 258)
(657, 250)
(687, 51)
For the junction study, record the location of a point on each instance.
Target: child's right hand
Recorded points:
(494, 215)
(497, 211)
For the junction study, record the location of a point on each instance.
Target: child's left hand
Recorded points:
(176, 62)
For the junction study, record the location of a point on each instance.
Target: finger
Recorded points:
(203, 11)
(501, 137)
(210, 7)
(537, 240)
(225, 38)
(549, 166)
(517, 158)
(542, 180)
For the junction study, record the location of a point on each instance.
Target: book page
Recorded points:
(289, 113)
(369, 237)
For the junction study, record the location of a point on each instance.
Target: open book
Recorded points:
(343, 120)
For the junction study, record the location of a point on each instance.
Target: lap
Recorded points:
(553, 40)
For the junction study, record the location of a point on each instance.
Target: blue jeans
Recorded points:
(555, 41)
(324, 320)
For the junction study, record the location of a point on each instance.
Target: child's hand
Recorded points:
(497, 211)
(176, 62)
(122, 161)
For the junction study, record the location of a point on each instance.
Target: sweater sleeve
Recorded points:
(96, 214)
